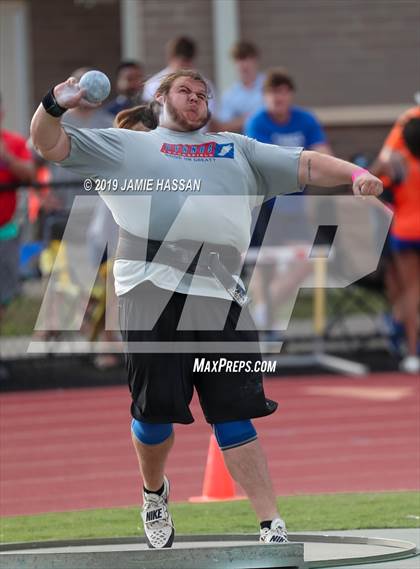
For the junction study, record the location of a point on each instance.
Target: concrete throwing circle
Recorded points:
(305, 551)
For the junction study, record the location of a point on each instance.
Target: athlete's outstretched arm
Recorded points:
(318, 169)
(48, 136)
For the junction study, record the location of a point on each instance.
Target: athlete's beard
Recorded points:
(183, 122)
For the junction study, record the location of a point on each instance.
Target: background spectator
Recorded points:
(391, 167)
(282, 123)
(129, 87)
(399, 160)
(15, 167)
(245, 97)
(181, 53)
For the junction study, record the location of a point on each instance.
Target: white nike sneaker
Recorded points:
(277, 533)
(158, 525)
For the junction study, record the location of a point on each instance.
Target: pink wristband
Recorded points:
(358, 173)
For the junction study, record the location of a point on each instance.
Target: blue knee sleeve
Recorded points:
(150, 434)
(234, 433)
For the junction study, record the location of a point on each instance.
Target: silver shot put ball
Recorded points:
(97, 86)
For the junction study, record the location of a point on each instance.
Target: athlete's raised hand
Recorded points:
(70, 95)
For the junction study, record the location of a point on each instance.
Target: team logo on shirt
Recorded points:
(199, 151)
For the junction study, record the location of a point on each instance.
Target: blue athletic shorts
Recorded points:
(399, 245)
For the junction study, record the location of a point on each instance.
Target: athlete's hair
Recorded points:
(244, 50)
(128, 64)
(277, 77)
(168, 80)
(411, 136)
(147, 115)
(182, 47)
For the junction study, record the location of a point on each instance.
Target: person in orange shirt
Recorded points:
(395, 141)
(400, 157)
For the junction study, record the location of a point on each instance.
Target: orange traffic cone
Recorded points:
(218, 484)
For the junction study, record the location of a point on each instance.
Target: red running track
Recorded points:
(71, 449)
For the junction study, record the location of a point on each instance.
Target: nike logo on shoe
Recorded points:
(154, 515)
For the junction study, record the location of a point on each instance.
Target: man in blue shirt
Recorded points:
(283, 124)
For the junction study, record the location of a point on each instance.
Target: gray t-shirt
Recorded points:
(97, 118)
(173, 185)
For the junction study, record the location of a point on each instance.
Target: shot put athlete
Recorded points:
(188, 268)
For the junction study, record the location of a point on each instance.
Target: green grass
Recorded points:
(337, 297)
(303, 513)
(20, 316)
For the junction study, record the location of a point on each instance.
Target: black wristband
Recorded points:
(49, 102)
